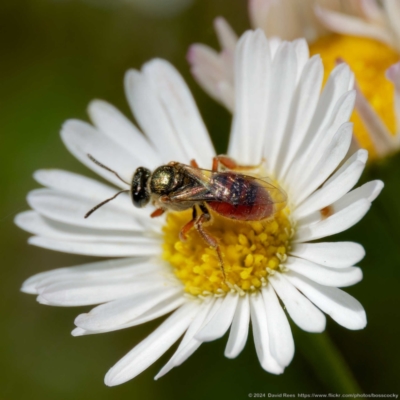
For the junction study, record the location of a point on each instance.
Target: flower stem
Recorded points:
(327, 362)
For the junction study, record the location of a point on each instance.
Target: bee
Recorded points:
(223, 189)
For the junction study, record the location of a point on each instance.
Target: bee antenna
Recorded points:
(108, 169)
(104, 202)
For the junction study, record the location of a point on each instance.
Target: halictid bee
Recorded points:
(178, 187)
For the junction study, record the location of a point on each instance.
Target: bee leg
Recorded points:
(186, 228)
(231, 164)
(157, 213)
(194, 164)
(210, 240)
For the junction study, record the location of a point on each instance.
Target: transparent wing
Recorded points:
(234, 188)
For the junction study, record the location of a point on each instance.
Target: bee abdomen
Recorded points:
(238, 197)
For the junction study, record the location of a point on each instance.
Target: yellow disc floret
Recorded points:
(250, 250)
(368, 59)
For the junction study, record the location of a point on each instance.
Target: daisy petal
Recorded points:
(221, 321)
(82, 139)
(116, 126)
(152, 118)
(305, 101)
(280, 99)
(33, 222)
(153, 347)
(280, 336)
(328, 162)
(181, 110)
(126, 267)
(226, 35)
(252, 65)
(368, 191)
(239, 329)
(338, 222)
(71, 293)
(71, 209)
(337, 277)
(119, 312)
(158, 311)
(142, 247)
(342, 307)
(378, 132)
(348, 25)
(301, 310)
(261, 336)
(189, 344)
(334, 255)
(333, 189)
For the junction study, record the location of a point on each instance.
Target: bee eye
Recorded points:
(139, 193)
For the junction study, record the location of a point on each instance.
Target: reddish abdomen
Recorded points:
(240, 198)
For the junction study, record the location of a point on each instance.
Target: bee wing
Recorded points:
(219, 189)
(276, 194)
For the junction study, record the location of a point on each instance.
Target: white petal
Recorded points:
(226, 35)
(142, 247)
(153, 347)
(281, 341)
(252, 66)
(328, 161)
(152, 118)
(189, 344)
(154, 313)
(300, 309)
(208, 69)
(221, 321)
(304, 103)
(126, 267)
(393, 74)
(378, 132)
(342, 307)
(82, 139)
(239, 329)
(117, 127)
(348, 25)
(34, 223)
(181, 110)
(333, 189)
(281, 92)
(303, 54)
(334, 255)
(121, 311)
(338, 222)
(69, 293)
(337, 277)
(261, 336)
(71, 209)
(368, 191)
(94, 191)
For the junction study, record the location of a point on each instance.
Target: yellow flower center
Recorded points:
(250, 250)
(368, 59)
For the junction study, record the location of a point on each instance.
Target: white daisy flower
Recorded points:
(367, 38)
(298, 135)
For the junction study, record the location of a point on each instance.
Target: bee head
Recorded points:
(163, 180)
(139, 191)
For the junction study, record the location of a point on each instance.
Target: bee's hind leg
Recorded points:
(210, 240)
(231, 164)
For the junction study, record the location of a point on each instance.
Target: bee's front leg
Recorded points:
(186, 228)
(210, 240)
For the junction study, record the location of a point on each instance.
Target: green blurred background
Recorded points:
(57, 55)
